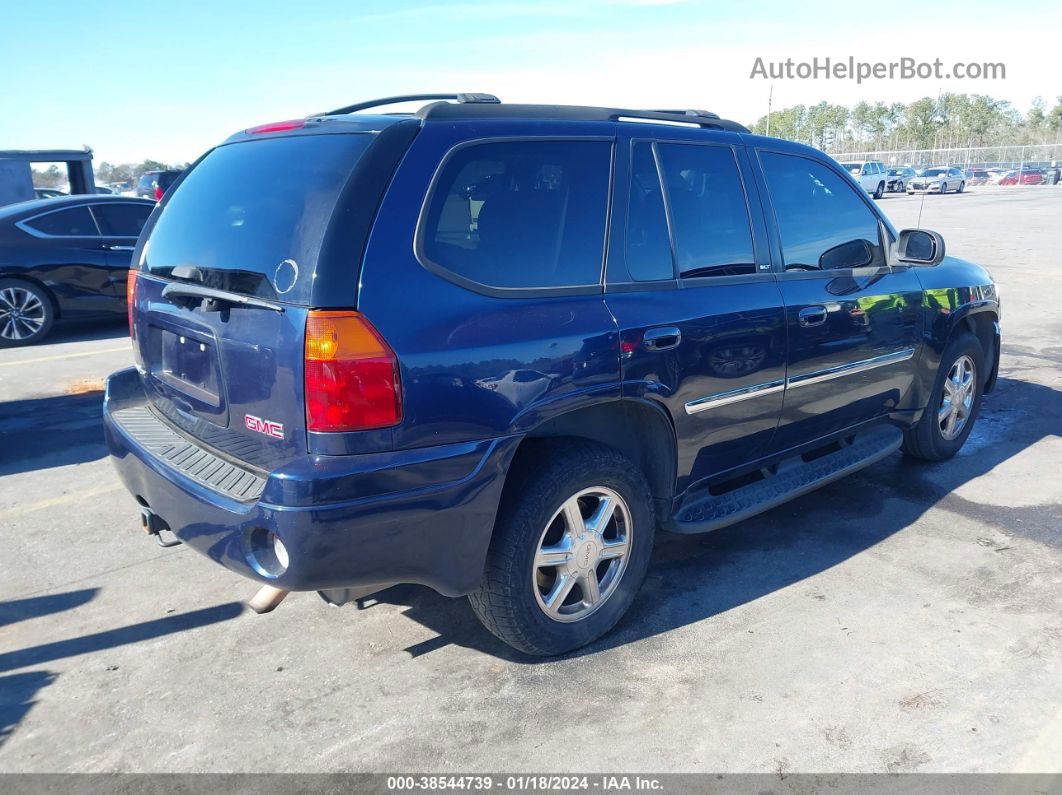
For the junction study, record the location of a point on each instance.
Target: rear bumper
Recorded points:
(359, 521)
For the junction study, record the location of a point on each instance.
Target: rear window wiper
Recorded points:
(218, 296)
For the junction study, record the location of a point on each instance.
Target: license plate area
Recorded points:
(188, 362)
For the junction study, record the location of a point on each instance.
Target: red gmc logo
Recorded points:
(268, 427)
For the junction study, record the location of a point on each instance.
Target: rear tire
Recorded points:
(880, 191)
(962, 187)
(26, 313)
(953, 404)
(555, 578)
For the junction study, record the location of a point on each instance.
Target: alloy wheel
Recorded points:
(957, 402)
(22, 314)
(582, 554)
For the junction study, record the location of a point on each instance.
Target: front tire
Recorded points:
(571, 546)
(953, 404)
(900, 188)
(26, 313)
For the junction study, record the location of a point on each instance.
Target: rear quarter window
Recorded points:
(73, 222)
(519, 214)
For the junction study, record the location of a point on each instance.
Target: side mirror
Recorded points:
(920, 247)
(851, 254)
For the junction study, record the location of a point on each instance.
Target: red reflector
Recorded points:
(352, 377)
(278, 126)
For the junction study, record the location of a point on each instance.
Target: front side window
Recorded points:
(709, 216)
(521, 214)
(121, 220)
(823, 223)
(74, 222)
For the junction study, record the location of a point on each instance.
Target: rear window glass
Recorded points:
(251, 216)
(521, 214)
(75, 222)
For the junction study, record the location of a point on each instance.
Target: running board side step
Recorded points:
(790, 478)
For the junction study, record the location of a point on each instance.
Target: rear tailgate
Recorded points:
(250, 220)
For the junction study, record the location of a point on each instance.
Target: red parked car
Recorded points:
(1029, 176)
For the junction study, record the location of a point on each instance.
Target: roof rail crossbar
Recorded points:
(466, 98)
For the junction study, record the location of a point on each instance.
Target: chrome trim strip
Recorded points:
(815, 377)
(818, 376)
(734, 395)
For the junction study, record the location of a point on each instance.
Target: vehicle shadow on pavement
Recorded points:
(16, 610)
(40, 433)
(16, 698)
(17, 690)
(84, 331)
(121, 636)
(693, 578)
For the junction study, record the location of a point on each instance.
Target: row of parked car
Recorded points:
(877, 179)
(151, 185)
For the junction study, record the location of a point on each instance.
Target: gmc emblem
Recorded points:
(268, 427)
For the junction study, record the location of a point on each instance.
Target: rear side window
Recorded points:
(520, 214)
(648, 241)
(251, 216)
(822, 221)
(74, 222)
(121, 220)
(709, 216)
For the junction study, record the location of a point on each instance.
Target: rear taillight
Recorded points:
(130, 299)
(158, 193)
(352, 379)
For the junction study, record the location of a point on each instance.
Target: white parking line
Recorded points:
(63, 356)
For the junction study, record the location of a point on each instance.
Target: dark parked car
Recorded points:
(65, 257)
(379, 349)
(153, 184)
(897, 179)
(47, 193)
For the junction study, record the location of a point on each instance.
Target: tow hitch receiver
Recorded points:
(154, 526)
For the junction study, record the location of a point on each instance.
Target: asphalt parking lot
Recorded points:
(908, 618)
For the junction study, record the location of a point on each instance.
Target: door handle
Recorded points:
(120, 248)
(811, 316)
(662, 339)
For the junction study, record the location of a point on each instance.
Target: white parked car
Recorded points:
(871, 174)
(937, 179)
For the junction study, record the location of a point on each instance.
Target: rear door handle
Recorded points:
(811, 316)
(662, 339)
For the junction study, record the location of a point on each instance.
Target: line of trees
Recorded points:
(949, 121)
(104, 174)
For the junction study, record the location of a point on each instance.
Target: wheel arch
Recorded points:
(639, 429)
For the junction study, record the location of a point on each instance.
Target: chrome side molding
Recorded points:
(818, 376)
(734, 395)
(815, 377)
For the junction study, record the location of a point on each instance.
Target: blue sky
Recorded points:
(168, 80)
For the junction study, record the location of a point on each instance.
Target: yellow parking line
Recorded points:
(64, 356)
(72, 496)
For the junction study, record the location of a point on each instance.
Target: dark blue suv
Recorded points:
(494, 348)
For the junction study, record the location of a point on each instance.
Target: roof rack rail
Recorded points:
(704, 114)
(450, 110)
(465, 99)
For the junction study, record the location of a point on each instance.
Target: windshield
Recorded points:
(852, 167)
(251, 217)
(932, 172)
